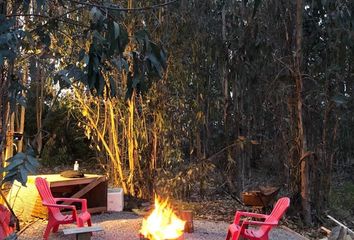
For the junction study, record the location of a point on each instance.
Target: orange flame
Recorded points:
(162, 223)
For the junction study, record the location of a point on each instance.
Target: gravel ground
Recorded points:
(125, 226)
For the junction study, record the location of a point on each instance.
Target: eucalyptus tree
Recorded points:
(262, 88)
(79, 41)
(250, 86)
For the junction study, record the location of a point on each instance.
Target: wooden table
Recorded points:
(26, 200)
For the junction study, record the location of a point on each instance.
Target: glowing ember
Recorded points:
(162, 223)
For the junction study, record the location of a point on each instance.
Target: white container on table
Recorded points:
(76, 166)
(115, 199)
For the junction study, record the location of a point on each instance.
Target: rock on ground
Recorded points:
(125, 226)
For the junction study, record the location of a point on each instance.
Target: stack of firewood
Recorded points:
(338, 233)
(341, 232)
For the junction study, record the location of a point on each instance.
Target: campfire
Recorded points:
(162, 223)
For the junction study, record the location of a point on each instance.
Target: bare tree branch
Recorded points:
(117, 8)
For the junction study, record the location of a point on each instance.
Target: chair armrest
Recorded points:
(71, 200)
(72, 207)
(59, 206)
(240, 214)
(273, 223)
(245, 224)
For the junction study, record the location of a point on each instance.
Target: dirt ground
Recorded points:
(126, 225)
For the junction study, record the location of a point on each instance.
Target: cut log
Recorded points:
(339, 233)
(187, 216)
(340, 224)
(326, 231)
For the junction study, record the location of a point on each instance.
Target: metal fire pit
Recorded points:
(262, 198)
(185, 215)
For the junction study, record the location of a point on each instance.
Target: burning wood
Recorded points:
(162, 223)
(180, 238)
(187, 216)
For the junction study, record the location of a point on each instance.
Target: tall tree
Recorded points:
(300, 137)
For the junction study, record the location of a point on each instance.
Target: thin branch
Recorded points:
(72, 22)
(283, 63)
(57, 18)
(125, 9)
(38, 15)
(222, 150)
(68, 36)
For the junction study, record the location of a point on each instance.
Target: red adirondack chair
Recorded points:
(55, 217)
(6, 228)
(261, 232)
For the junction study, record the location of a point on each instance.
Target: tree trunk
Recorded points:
(300, 140)
(21, 126)
(39, 108)
(225, 83)
(230, 174)
(9, 150)
(9, 119)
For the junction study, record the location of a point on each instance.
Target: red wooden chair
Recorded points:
(5, 226)
(55, 217)
(261, 232)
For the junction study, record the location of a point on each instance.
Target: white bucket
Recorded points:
(115, 200)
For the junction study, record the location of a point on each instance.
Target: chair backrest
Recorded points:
(46, 195)
(278, 211)
(5, 218)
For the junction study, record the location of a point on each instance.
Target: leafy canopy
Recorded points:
(104, 46)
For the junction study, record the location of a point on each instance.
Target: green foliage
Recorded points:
(257, 3)
(342, 199)
(63, 139)
(219, 88)
(182, 180)
(109, 43)
(10, 37)
(16, 94)
(40, 5)
(143, 62)
(65, 77)
(55, 154)
(20, 165)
